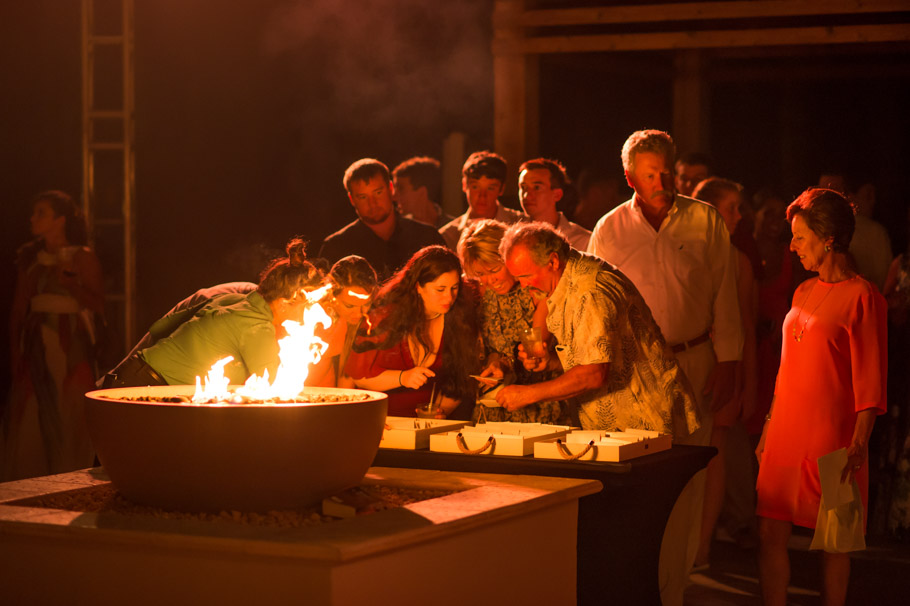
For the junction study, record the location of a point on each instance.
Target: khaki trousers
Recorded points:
(681, 535)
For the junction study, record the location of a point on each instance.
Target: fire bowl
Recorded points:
(244, 457)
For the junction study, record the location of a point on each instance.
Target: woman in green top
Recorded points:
(245, 326)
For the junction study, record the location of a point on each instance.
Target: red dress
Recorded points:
(837, 368)
(402, 401)
(773, 304)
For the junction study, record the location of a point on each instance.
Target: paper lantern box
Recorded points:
(499, 438)
(409, 433)
(595, 445)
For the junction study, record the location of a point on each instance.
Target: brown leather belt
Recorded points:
(680, 347)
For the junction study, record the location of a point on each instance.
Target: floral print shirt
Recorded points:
(598, 316)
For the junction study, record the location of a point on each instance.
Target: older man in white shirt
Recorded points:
(677, 252)
(541, 185)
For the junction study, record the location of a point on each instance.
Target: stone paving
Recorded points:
(880, 575)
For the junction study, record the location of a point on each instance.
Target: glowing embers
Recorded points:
(300, 348)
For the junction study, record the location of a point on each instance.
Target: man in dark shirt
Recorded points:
(418, 189)
(379, 234)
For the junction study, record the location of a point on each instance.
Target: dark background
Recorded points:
(247, 114)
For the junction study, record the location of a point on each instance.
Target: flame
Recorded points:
(357, 295)
(300, 348)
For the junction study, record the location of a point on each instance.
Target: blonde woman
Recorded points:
(507, 311)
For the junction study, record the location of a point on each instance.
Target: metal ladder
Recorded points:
(108, 155)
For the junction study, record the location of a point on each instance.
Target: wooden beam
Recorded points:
(690, 11)
(690, 102)
(515, 96)
(785, 36)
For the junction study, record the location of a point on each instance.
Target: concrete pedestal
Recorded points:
(502, 539)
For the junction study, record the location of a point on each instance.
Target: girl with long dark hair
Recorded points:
(424, 337)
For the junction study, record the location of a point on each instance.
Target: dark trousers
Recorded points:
(133, 372)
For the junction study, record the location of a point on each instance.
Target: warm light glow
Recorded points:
(357, 295)
(216, 383)
(300, 348)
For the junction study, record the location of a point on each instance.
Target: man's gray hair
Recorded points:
(654, 141)
(540, 239)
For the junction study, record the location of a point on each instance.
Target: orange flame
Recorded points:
(300, 348)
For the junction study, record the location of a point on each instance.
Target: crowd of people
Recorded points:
(687, 309)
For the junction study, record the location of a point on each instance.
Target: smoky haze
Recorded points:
(418, 66)
(249, 113)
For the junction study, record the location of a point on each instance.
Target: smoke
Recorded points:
(387, 63)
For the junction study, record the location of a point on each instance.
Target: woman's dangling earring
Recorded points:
(827, 248)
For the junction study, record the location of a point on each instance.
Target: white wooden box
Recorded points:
(615, 446)
(500, 438)
(410, 433)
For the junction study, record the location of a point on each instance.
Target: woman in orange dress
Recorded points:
(830, 387)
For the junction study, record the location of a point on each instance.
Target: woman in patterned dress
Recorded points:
(507, 310)
(58, 291)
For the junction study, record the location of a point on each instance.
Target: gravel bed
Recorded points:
(104, 498)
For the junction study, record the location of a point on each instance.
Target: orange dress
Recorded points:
(833, 365)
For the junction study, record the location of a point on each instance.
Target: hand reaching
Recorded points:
(415, 378)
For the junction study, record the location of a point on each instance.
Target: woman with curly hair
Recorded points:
(424, 337)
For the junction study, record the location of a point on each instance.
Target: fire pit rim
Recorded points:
(192, 456)
(187, 391)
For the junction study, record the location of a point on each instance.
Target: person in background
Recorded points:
(418, 186)
(245, 326)
(775, 292)
(691, 169)
(830, 387)
(58, 293)
(483, 180)
(541, 184)
(870, 246)
(677, 252)
(726, 196)
(892, 514)
(422, 339)
(379, 234)
(507, 310)
(353, 285)
(598, 194)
